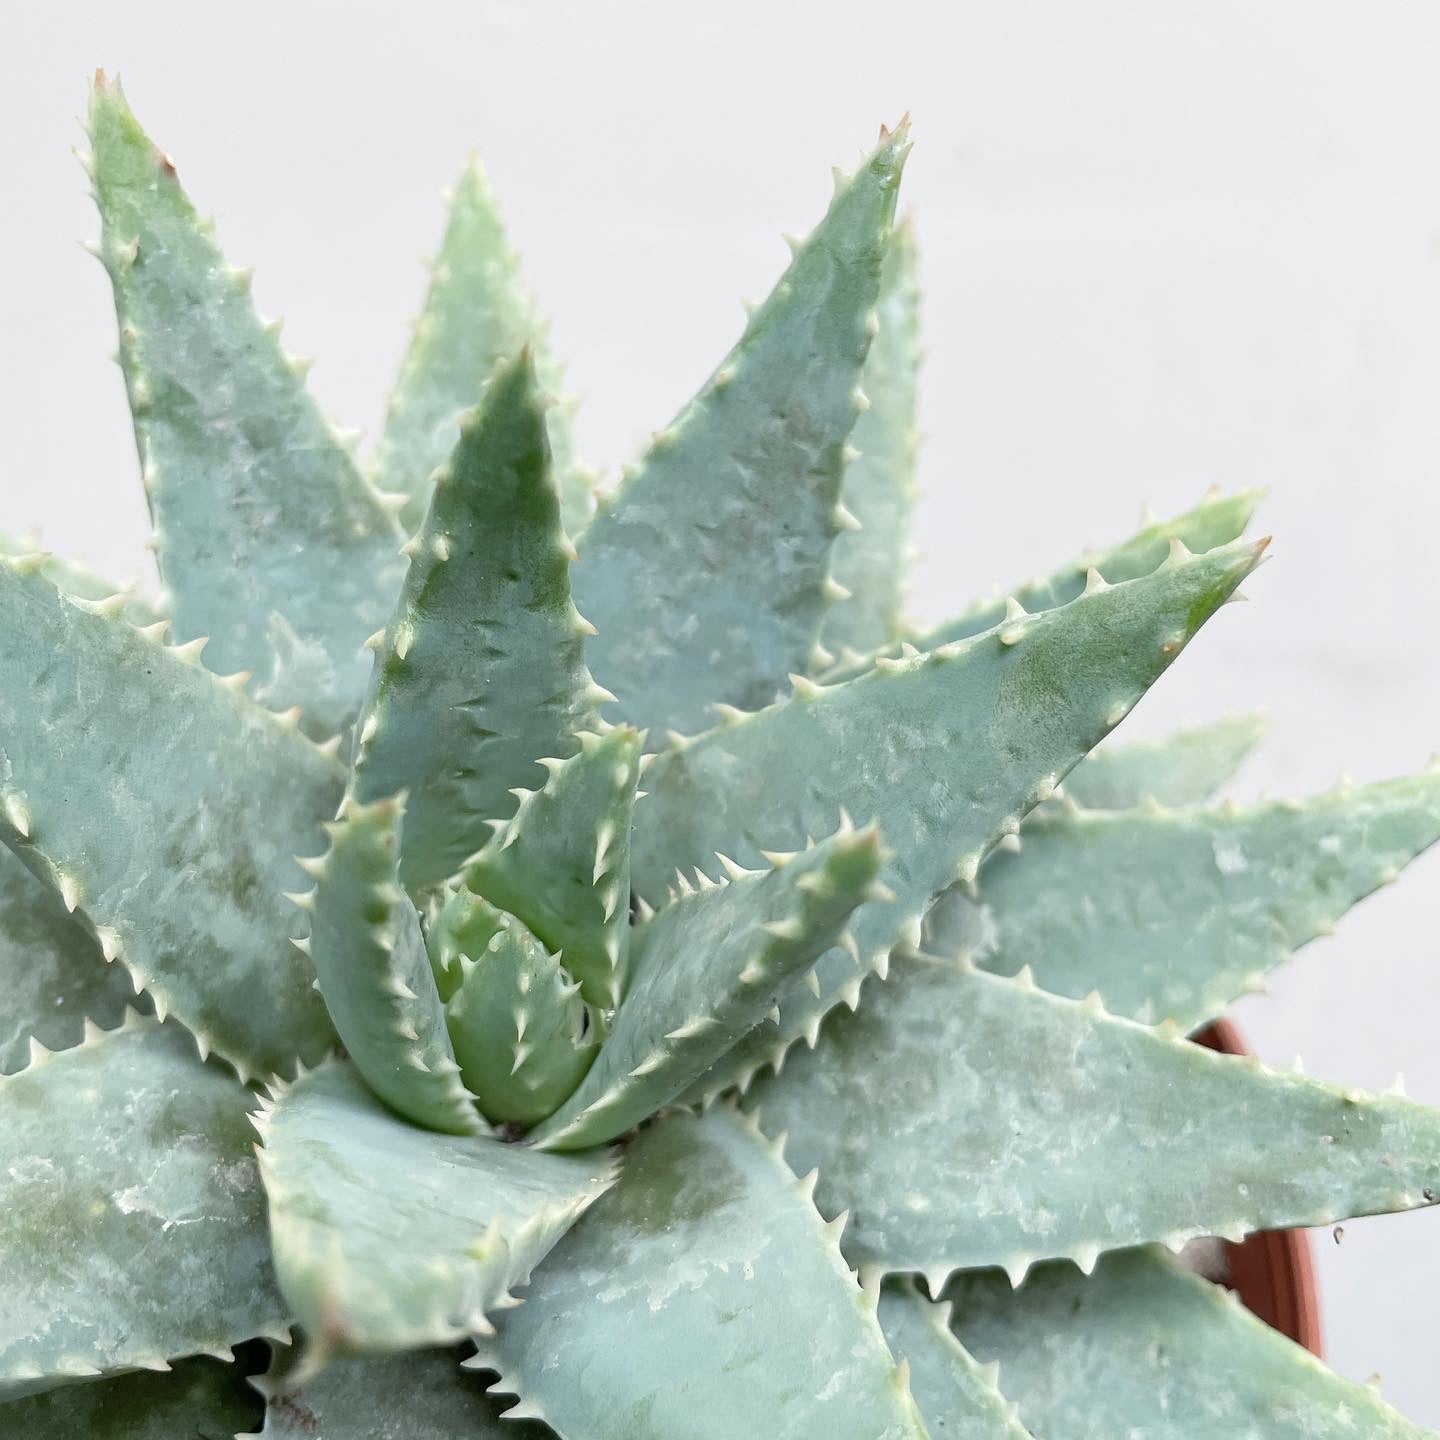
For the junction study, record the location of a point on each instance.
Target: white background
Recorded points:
(1166, 245)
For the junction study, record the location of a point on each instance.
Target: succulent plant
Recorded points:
(505, 936)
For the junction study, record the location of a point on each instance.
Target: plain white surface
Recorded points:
(1165, 246)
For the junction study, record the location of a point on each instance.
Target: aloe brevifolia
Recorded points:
(501, 920)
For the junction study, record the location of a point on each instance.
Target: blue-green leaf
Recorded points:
(458, 926)
(167, 808)
(476, 314)
(522, 1033)
(562, 861)
(957, 1396)
(481, 671)
(132, 1220)
(703, 1297)
(708, 967)
(708, 572)
(971, 1120)
(945, 752)
(374, 972)
(1184, 768)
(1145, 1347)
(269, 540)
(390, 1237)
(71, 578)
(879, 485)
(53, 973)
(1172, 914)
(1216, 520)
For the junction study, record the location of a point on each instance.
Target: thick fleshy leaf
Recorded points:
(269, 540)
(53, 975)
(476, 314)
(971, 1120)
(1185, 768)
(168, 808)
(708, 573)
(879, 484)
(1216, 520)
(72, 578)
(945, 752)
(132, 1220)
(703, 1297)
(522, 1033)
(957, 1396)
(375, 975)
(200, 1397)
(417, 1395)
(708, 967)
(390, 1237)
(458, 927)
(481, 672)
(1172, 914)
(562, 861)
(1145, 1347)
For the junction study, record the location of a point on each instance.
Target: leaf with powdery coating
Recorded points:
(269, 540)
(168, 808)
(708, 967)
(53, 973)
(970, 1120)
(522, 1033)
(72, 578)
(1216, 520)
(957, 1396)
(1185, 768)
(1172, 914)
(390, 1237)
(879, 486)
(1144, 1346)
(476, 314)
(119, 1150)
(458, 927)
(375, 975)
(562, 861)
(708, 573)
(945, 753)
(709, 1253)
(480, 674)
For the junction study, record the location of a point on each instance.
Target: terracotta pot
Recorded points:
(1271, 1269)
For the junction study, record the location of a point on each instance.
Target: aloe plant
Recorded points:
(507, 951)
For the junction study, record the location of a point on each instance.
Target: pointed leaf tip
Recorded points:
(696, 571)
(1216, 521)
(868, 558)
(1188, 907)
(1305, 1154)
(768, 782)
(482, 670)
(269, 540)
(476, 316)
